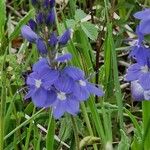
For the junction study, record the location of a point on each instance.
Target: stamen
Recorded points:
(38, 83)
(144, 69)
(82, 83)
(61, 96)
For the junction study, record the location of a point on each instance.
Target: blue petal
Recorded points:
(59, 109)
(72, 106)
(133, 72)
(31, 78)
(28, 33)
(144, 26)
(43, 98)
(94, 90)
(64, 58)
(144, 81)
(147, 95)
(63, 40)
(49, 77)
(142, 15)
(31, 91)
(53, 40)
(74, 72)
(81, 92)
(41, 46)
(42, 63)
(137, 91)
(64, 84)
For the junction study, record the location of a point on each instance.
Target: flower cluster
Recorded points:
(139, 72)
(53, 83)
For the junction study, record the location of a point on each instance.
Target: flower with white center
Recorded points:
(144, 69)
(82, 83)
(38, 83)
(61, 96)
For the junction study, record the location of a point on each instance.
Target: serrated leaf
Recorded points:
(79, 15)
(90, 30)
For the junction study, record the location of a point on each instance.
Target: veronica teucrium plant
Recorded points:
(139, 72)
(53, 82)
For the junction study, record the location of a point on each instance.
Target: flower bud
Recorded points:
(53, 40)
(28, 34)
(51, 17)
(65, 37)
(40, 18)
(32, 24)
(41, 46)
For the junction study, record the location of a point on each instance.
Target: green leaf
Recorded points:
(2, 17)
(90, 30)
(124, 143)
(79, 15)
(23, 21)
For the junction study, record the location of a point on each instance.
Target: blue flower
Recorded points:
(144, 16)
(65, 101)
(40, 84)
(138, 93)
(83, 88)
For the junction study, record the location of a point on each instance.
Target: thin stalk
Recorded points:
(115, 68)
(23, 124)
(29, 133)
(86, 118)
(146, 124)
(3, 103)
(75, 130)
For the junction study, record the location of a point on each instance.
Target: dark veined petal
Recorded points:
(64, 58)
(64, 84)
(28, 33)
(144, 26)
(137, 91)
(133, 72)
(81, 92)
(31, 78)
(65, 37)
(43, 98)
(142, 15)
(42, 63)
(49, 77)
(144, 81)
(72, 105)
(51, 17)
(31, 91)
(59, 109)
(53, 40)
(94, 90)
(41, 46)
(147, 95)
(74, 72)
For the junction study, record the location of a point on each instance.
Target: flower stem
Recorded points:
(75, 130)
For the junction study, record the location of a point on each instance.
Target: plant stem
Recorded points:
(75, 130)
